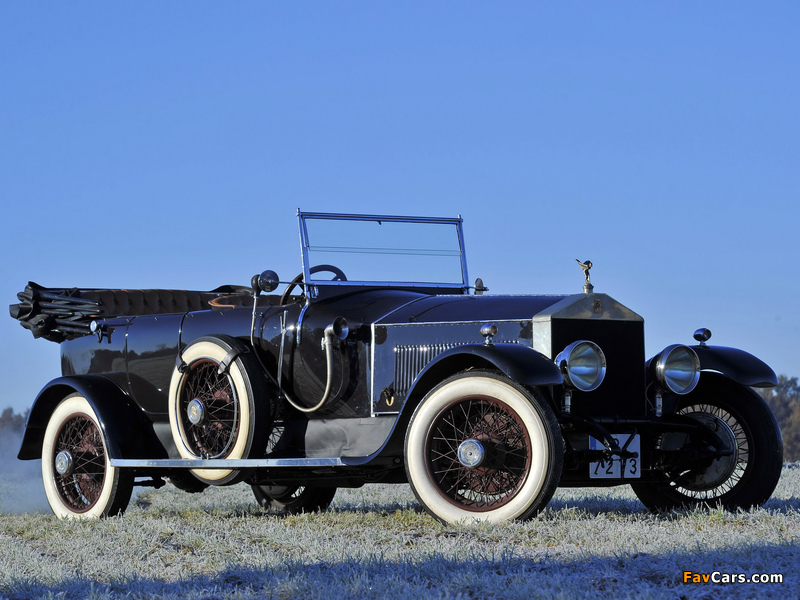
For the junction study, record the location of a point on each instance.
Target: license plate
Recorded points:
(617, 468)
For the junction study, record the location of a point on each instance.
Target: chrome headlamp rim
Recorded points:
(583, 365)
(677, 369)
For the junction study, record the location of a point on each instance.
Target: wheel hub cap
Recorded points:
(721, 468)
(471, 453)
(196, 412)
(64, 463)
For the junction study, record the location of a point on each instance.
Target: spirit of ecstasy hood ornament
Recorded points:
(588, 287)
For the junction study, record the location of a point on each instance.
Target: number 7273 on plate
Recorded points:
(617, 468)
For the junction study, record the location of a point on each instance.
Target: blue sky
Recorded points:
(170, 144)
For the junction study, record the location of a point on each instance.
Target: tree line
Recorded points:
(784, 400)
(11, 421)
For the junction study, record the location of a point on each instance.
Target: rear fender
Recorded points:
(127, 431)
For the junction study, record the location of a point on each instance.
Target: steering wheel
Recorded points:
(337, 272)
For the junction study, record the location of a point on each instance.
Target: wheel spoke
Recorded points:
(690, 484)
(497, 427)
(217, 432)
(80, 489)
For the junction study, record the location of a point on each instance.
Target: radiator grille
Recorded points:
(622, 392)
(410, 360)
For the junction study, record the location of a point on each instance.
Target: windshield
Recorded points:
(370, 249)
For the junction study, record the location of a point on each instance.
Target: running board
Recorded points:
(221, 463)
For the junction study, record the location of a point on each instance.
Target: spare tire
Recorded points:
(219, 405)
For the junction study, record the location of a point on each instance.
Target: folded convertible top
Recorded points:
(59, 314)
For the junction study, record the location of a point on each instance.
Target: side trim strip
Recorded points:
(221, 463)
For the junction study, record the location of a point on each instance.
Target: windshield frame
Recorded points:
(313, 285)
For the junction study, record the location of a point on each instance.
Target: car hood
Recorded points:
(404, 307)
(440, 309)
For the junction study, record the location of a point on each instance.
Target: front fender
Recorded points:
(520, 363)
(737, 364)
(127, 431)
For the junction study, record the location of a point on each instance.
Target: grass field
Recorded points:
(376, 543)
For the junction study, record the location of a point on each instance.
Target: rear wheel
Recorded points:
(745, 476)
(480, 447)
(78, 479)
(294, 499)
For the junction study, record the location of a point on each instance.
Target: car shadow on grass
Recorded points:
(394, 498)
(693, 574)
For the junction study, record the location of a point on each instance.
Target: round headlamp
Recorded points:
(678, 369)
(583, 365)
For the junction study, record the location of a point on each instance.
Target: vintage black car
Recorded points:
(379, 362)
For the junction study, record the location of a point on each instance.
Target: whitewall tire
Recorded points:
(218, 415)
(78, 479)
(480, 447)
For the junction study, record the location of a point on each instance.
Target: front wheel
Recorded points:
(78, 479)
(480, 447)
(745, 476)
(294, 499)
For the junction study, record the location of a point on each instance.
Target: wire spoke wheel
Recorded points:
(481, 447)
(209, 410)
(499, 430)
(78, 479)
(80, 440)
(745, 452)
(724, 473)
(219, 406)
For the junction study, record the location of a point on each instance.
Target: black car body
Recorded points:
(485, 404)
